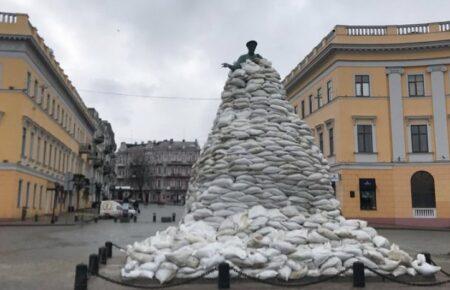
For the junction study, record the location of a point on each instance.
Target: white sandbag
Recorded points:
(422, 267)
(285, 272)
(380, 241)
(315, 237)
(267, 274)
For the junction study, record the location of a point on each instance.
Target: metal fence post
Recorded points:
(93, 264)
(359, 279)
(81, 277)
(223, 281)
(102, 255)
(108, 246)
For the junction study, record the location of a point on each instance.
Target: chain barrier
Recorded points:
(118, 247)
(442, 270)
(395, 280)
(282, 284)
(162, 286)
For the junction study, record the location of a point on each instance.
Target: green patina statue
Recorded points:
(251, 45)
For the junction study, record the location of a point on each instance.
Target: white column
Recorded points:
(439, 111)
(396, 109)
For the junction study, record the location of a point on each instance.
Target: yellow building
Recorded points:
(378, 101)
(45, 128)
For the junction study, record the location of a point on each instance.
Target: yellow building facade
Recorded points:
(45, 128)
(378, 101)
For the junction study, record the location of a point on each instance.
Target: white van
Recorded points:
(111, 208)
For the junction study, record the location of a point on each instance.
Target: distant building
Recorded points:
(377, 99)
(102, 157)
(159, 171)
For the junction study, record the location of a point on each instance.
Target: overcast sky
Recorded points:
(173, 49)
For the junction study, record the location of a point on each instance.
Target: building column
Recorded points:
(439, 111)
(396, 108)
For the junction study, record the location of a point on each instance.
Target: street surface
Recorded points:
(45, 257)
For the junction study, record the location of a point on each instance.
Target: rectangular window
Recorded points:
(329, 91)
(28, 83)
(38, 155)
(50, 156)
(41, 96)
(296, 109)
(321, 141)
(40, 196)
(24, 141)
(47, 104)
(27, 200)
(31, 145)
(415, 86)
(35, 89)
(53, 108)
(362, 87)
(368, 196)
(44, 155)
(19, 194)
(57, 113)
(365, 144)
(319, 98)
(34, 195)
(331, 140)
(419, 138)
(303, 109)
(310, 104)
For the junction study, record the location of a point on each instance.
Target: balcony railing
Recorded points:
(8, 18)
(85, 148)
(373, 31)
(413, 29)
(366, 30)
(424, 212)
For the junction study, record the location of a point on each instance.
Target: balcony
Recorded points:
(85, 148)
(99, 139)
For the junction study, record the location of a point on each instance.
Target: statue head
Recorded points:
(251, 45)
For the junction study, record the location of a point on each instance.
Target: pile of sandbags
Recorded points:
(260, 198)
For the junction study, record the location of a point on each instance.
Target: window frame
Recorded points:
(365, 142)
(319, 98)
(372, 191)
(408, 82)
(329, 91)
(362, 95)
(331, 141)
(310, 98)
(19, 193)
(303, 109)
(419, 136)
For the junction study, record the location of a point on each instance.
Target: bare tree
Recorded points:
(140, 173)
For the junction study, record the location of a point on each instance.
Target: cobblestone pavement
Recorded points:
(45, 257)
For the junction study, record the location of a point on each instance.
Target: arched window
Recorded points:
(422, 190)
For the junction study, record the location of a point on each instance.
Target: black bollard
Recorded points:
(223, 280)
(154, 217)
(427, 257)
(36, 218)
(135, 218)
(173, 217)
(108, 246)
(115, 219)
(81, 276)
(359, 279)
(102, 255)
(93, 264)
(96, 219)
(75, 218)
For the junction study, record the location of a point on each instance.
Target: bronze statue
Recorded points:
(251, 45)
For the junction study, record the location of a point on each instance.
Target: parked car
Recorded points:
(112, 208)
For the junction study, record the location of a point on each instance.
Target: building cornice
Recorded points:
(342, 47)
(75, 99)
